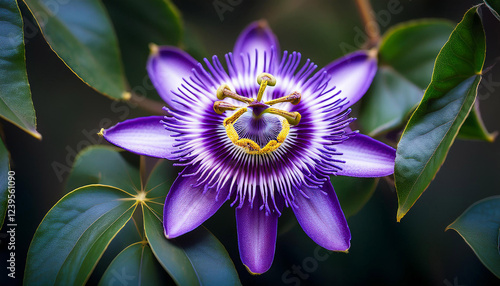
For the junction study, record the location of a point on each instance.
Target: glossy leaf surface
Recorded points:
(15, 94)
(78, 229)
(81, 34)
(135, 265)
(479, 226)
(446, 104)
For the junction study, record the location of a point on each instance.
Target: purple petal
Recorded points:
(321, 217)
(256, 237)
(167, 67)
(257, 36)
(144, 136)
(187, 206)
(353, 75)
(366, 157)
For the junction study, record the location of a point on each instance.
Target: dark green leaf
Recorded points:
(436, 122)
(353, 193)
(15, 95)
(135, 265)
(406, 58)
(5, 191)
(193, 46)
(388, 102)
(411, 48)
(105, 166)
(160, 180)
(494, 6)
(190, 259)
(74, 234)
(479, 226)
(81, 34)
(137, 24)
(474, 129)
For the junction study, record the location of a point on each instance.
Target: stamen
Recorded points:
(222, 106)
(293, 98)
(264, 79)
(224, 91)
(292, 117)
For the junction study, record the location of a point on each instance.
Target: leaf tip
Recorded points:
(35, 134)
(400, 214)
(492, 136)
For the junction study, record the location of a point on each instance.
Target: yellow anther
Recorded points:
(225, 91)
(292, 117)
(250, 146)
(222, 106)
(232, 119)
(293, 98)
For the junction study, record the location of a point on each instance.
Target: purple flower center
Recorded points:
(257, 127)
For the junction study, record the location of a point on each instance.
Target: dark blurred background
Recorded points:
(415, 251)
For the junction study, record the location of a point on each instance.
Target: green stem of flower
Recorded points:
(370, 23)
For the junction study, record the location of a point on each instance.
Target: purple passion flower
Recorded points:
(263, 133)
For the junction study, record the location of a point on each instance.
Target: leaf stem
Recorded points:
(370, 23)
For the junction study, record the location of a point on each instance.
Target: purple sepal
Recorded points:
(187, 205)
(167, 67)
(256, 237)
(321, 217)
(144, 136)
(366, 157)
(352, 74)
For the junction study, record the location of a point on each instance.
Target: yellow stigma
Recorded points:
(224, 91)
(293, 98)
(222, 106)
(292, 117)
(264, 79)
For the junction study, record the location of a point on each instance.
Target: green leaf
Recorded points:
(190, 259)
(137, 24)
(15, 95)
(474, 129)
(479, 227)
(193, 45)
(74, 234)
(353, 193)
(81, 34)
(159, 182)
(494, 6)
(436, 122)
(389, 101)
(5, 191)
(103, 165)
(406, 58)
(135, 265)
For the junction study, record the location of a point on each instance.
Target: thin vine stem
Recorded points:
(370, 23)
